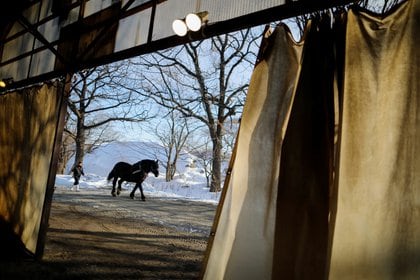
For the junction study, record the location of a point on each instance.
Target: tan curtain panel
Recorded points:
(377, 233)
(243, 245)
(325, 182)
(28, 120)
(306, 164)
(275, 219)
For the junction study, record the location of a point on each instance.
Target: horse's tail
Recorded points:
(111, 174)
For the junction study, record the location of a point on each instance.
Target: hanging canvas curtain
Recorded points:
(28, 124)
(377, 232)
(306, 163)
(242, 247)
(325, 181)
(274, 219)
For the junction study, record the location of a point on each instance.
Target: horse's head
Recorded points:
(154, 168)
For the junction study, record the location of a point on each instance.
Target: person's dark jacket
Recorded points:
(78, 171)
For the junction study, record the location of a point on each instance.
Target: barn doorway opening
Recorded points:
(91, 232)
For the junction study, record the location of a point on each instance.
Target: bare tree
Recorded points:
(205, 81)
(200, 146)
(231, 133)
(173, 133)
(66, 152)
(97, 100)
(377, 6)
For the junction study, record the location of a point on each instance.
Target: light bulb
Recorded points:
(179, 27)
(193, 22)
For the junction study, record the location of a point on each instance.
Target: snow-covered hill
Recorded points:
(189, 182)
(102, 159)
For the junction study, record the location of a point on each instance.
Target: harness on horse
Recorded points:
(137, 169)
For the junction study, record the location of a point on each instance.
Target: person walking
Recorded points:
(77, 173)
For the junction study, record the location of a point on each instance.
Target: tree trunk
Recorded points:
(216, 170)
(172, 171)
(63, 159)
(80, 140)
(168, 176)
(173, 165)
(168, 171)
(60, 165)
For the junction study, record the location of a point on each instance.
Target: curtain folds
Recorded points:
(377, 232)
(306, 164)
(247, 221)
(325, 182)
(28, 119)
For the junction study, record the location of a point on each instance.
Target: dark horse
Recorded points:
(135, 173)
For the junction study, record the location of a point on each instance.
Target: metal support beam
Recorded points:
(270, 15)
(27, 25)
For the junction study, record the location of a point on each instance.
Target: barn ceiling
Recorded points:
(44, 39)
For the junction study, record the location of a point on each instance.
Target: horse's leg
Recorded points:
(141, 190)
(119, 186)
(114, 182)
(134, 190)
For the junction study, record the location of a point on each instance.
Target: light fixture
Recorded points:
(179, 27)
(195, 21)
(192, 22)
(5, 82)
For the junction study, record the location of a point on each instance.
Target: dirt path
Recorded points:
(95, 236)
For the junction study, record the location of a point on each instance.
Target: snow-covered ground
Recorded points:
(189, 182)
